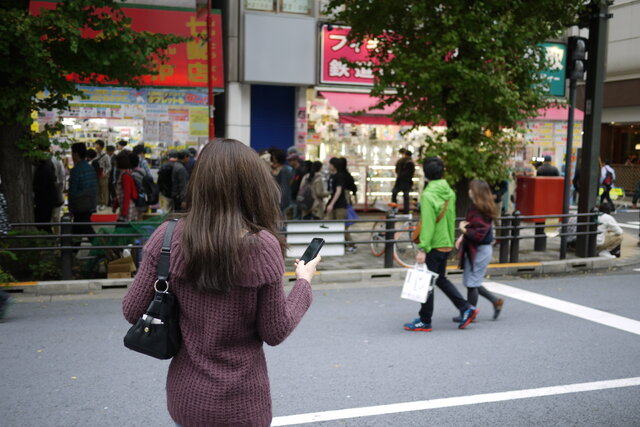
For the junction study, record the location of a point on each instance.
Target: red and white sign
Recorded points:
(334, 47)
(187, 66)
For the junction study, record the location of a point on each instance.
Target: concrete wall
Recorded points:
(623, 60)
(279, 49)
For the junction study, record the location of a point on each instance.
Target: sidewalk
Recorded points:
(364, 259)
(363, 266)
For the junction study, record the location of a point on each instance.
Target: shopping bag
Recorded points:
(351, 214)
(418, 283)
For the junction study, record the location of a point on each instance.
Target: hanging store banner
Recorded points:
(334, 48)
(187, 66)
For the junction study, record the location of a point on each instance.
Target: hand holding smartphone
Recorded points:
(307, 270)
(312, 250)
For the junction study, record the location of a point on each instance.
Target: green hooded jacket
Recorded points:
(441, 234)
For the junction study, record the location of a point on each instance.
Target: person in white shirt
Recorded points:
(607, 180)
(609, 233)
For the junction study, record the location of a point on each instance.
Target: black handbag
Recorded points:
(157, 332)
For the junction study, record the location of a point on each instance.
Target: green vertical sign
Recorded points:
(556, 54)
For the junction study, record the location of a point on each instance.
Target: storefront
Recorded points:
(170, 110)
(339, 120)
(547, 136)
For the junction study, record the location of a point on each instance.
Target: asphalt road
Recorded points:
(63, 362)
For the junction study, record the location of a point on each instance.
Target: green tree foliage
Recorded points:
(92, 39)
(473, 64)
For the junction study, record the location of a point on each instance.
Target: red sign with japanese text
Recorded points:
(334, 47)
(187, 66)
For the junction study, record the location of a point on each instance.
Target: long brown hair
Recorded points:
(483, 198)
(231, 191)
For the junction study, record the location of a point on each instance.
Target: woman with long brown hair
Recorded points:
(475, 244)
(226, 272)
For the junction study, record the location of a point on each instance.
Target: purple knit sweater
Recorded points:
(219, 376)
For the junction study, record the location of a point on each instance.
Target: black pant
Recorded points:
(405, 187)
(472, 295)
(82, 229)
(437, 262)
(605, 195)
(42, 213)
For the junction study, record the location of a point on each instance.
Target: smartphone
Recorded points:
(312, 250)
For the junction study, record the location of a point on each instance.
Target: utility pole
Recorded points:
(575, 71)
(597, 19)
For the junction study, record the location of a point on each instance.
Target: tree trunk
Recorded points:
(463, 202)
(16, 174)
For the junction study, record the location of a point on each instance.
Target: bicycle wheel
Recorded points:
(377, 238)
(404, 250)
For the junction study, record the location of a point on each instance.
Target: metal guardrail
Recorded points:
(507, 235)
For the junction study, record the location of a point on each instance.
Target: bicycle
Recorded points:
(404, 248)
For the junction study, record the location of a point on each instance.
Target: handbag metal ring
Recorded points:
(166, 284)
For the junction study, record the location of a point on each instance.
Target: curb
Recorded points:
(63, 287)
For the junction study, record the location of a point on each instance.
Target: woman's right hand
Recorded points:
(459, 242)
(307, 270)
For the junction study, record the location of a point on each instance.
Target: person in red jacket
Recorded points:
(126, 192)
(475, 244)
(226, 272)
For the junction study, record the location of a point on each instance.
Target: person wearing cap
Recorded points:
(546, 169)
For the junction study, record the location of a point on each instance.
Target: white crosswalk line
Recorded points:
(628, 225)
(449, 402)
(587, 313)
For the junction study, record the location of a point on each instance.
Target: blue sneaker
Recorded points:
(467, 317)
(418, 326)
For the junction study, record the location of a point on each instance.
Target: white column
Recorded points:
(238, 107)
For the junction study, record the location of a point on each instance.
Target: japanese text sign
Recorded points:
(556, 54)
(334, 47)
(187, 66)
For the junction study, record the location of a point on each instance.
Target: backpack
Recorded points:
(305, 197)
(96, 166)
(608, 178)
(151, 190)
(351, 183)
(140, 200)
(164, 179)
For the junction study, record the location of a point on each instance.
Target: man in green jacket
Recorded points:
(438, 217)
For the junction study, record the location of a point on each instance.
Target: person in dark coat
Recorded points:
(546, 169)
(45, 192)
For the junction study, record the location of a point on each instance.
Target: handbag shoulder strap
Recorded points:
(165, 252)
(442, 212)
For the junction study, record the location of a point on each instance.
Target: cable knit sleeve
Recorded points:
(140, 292)
(279, 314)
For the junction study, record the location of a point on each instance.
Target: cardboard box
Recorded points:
(121, 268)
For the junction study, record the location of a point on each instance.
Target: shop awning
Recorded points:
(349, 103)
(558, 113)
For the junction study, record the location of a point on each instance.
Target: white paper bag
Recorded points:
(418, 283)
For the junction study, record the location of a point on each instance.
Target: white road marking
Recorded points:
(587, 313)
(627, 225)
(449, 402)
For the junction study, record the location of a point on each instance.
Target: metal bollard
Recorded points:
(504, 243)
(540, 241)
(515, 234)
(66, 254)
(593, 228)
(388, 246)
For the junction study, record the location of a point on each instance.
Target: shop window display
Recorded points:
(371, 150)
